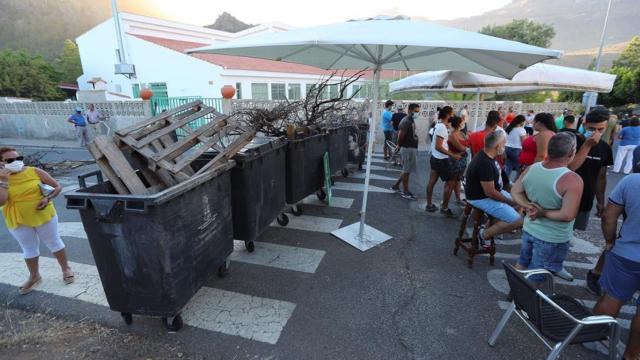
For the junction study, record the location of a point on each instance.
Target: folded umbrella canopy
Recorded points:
(385, 43)
(538, 77)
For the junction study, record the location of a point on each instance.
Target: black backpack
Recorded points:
(396, 118)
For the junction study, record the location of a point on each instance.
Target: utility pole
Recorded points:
(593, 97)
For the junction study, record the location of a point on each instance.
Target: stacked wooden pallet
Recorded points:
(149, 156)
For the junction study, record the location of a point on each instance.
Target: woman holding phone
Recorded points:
(29, 214)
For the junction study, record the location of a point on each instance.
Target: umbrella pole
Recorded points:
(372, 124)
(475, 124)
(359, 234)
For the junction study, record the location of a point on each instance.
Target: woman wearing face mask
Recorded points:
(29, 215)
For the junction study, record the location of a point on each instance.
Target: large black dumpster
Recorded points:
(338, 149)
(257, 187)
(305, 172)
(154, 252)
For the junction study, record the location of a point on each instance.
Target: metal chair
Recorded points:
(555, 317)
(395, 157)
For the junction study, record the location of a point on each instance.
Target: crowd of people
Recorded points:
(544, 175)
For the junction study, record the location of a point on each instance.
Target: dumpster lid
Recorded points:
(261, 144)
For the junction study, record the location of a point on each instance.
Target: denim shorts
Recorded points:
(499, 210)
(620, 277)
(540, 254)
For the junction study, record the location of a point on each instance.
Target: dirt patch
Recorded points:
(26, 335)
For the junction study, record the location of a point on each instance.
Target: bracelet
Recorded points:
(4, 185)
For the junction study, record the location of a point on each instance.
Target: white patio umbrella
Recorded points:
(538, 77)
(386, 43)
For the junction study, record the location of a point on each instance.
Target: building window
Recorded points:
(238, 90)
(278, 92)
(363, 91)
(308, 89)
(135, 89)
(333, 91)
(294, 92)
(260, 91)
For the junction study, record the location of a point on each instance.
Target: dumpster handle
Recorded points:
(135, 206)
(77, 203)
(82, 179)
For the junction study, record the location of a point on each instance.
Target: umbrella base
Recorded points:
(371, 237)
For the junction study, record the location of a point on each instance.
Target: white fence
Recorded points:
(48, 119)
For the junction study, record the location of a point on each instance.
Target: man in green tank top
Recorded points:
(550, 193)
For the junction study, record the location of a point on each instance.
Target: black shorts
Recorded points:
(442, 166)
(388, 136)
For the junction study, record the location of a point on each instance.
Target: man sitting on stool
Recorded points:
(484, 189)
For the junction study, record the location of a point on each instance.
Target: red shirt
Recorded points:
(510, 117)
(476, 141)
(529, 151)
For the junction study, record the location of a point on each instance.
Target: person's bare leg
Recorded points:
(501, 227)
(397, 184)
(405, 182)
(61, 256)
(448, 189)
(34, 273)
(633, 345)
(456, 188)
(597, 270)
(433, 179)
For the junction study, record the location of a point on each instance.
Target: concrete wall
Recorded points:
(48, 120)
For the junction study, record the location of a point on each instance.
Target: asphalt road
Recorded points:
(408, 298)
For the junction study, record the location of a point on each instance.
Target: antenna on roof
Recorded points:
(121, 67)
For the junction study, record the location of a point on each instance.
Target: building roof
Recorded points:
(247, 63)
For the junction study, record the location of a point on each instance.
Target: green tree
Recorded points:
(626, 89)
(26, 75)
(524, 31)
(68, 64)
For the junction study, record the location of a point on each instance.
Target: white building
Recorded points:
(157, 50)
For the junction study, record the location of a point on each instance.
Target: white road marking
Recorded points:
(278, 256)
(211, 309)
(584, 247)
(336, 202)
(626, 309)
(383, 168)
(509, 242)
(359, 187)
(311, 223)
(572, 264)
(373, 177)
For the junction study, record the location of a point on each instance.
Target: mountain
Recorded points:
(578, 25)
(229, 23)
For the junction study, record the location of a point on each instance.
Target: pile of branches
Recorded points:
(313, 112)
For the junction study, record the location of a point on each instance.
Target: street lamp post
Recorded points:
(593, 97)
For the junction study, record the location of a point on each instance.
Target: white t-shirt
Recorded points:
(440, 130)
(528, 120)
(513, 138)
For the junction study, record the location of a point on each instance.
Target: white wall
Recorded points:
(184, 75)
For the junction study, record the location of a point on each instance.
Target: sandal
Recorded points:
(431, 208)
(68, 277)
(24, 290)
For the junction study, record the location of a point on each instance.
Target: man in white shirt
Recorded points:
(528, 122)
(94, 117)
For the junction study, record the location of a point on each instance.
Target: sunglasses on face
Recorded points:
(9, 161)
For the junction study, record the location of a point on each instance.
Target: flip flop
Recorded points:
(25, 290)
(68, 279)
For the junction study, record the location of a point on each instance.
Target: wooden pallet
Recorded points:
(148, 156)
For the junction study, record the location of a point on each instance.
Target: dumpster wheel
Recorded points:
(175, 325)
(223, 269)
(321, 194)
(250, 246)
(283, 219)
(127, 317)
(296, 210)
(345, 172)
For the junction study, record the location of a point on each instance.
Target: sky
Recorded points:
(308, 13)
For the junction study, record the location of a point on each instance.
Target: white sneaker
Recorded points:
(564, 274)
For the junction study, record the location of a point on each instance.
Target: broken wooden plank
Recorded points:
(161, 116)
(172, 127)
(189, 141)
(230, 151)
(120, 165)
(104, 166)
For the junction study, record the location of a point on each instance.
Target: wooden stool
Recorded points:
(471, 245)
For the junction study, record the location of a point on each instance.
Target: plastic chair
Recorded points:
(555, 317)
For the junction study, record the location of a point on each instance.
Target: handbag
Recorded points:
(45, 189)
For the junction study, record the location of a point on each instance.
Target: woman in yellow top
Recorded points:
(29, 215)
